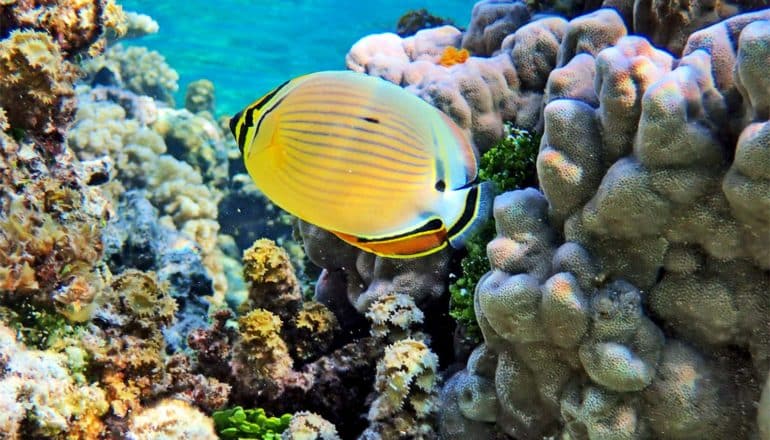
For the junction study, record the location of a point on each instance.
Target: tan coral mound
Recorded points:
(171, 419)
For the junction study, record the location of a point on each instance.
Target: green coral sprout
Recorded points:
(239, 423)
(510, 164)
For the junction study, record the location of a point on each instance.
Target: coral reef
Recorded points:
(625, 300)
(418, 19)
(406, 392)
(513, 53)
(200, 96)
(509, 164)
(305, 425)
(170, 418)
(38, 42)
(482, 92)
(137, 69)
(77, 26)
(41, 396)
(50, 242)
(137, 239)
(32, 68)
(128, 128)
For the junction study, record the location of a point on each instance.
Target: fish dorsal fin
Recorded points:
(456, 157)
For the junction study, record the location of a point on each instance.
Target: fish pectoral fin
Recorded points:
(426, 239)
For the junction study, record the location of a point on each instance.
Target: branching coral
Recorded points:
(200, 96)
(122, 131)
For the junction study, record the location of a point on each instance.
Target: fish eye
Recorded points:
(440, 185)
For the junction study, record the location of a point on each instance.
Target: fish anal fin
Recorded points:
(423, 241)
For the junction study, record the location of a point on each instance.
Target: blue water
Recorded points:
(248, 47)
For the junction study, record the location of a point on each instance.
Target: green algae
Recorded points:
(510, 165)
(239, 423)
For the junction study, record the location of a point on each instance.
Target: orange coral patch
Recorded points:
(451, 56)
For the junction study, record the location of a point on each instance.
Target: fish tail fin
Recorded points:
(478, 208)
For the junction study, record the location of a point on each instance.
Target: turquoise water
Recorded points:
(248, 47)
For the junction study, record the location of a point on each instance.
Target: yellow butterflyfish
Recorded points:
(366, 160)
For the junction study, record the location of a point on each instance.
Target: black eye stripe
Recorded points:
(248, 119)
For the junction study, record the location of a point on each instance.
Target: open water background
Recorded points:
(248, 47)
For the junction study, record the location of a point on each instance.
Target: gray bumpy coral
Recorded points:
(630, 299)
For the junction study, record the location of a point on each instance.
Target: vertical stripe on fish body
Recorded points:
(365, 159)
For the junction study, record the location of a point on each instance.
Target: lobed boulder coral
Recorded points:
(513, 52)
(364, 277)
(629, 297)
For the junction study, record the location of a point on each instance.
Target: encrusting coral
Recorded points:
(41, 396)
(50, 237)
(39, 42)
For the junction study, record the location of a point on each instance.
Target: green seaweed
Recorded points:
(239, 423)
(509, 164)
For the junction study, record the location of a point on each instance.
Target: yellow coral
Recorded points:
(451, 56)
(316, 317)
(261, 348)
(315, 325)
(32, 68)
(272, 282)
(142, 296)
